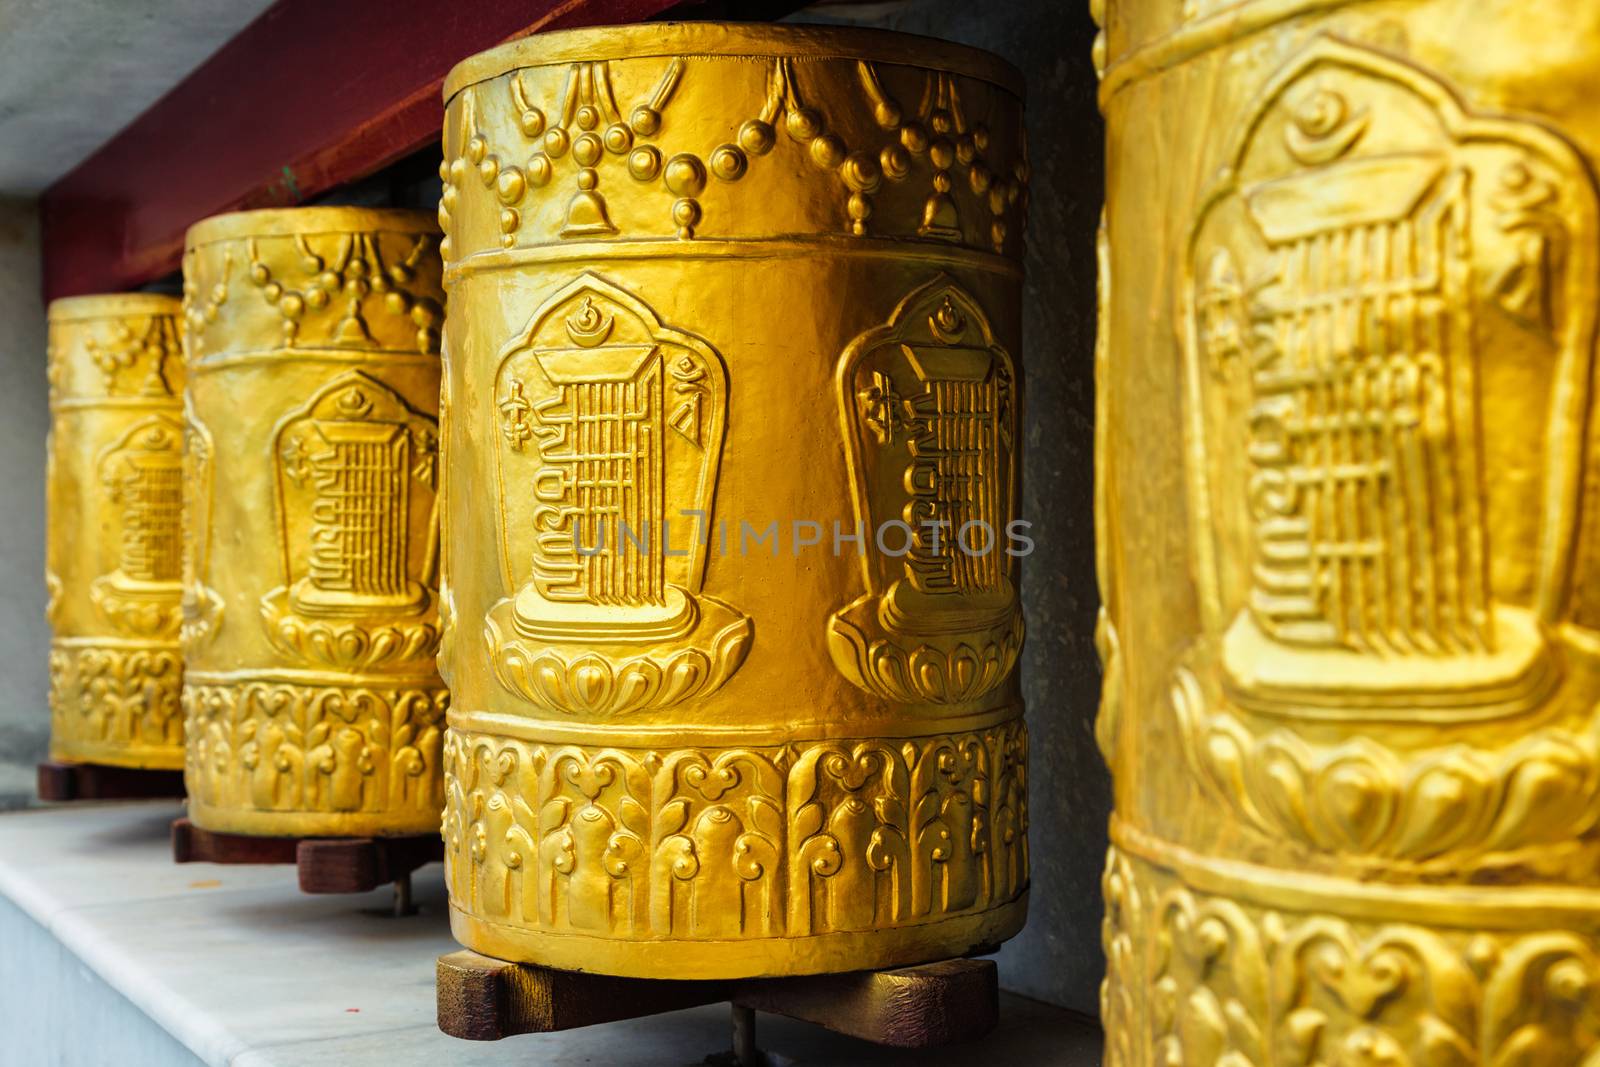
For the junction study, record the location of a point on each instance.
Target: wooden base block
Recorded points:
(325, 864)
(99, 781)
(910, 1007)
(484, 999)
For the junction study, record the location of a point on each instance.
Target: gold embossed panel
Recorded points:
(114, 543)
(1348, 506)
(310, 543)
(719, 295)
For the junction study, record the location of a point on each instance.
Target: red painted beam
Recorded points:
(309, 96)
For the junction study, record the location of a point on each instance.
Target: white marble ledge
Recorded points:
(104, 939)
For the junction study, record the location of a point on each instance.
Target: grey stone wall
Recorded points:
(1057, 957)
(24, 420)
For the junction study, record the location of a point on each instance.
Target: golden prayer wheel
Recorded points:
(112, 566)
(311, 696)
(1348, 536)
(722, 299)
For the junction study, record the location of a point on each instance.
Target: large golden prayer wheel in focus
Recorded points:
(716, 293)
(114, 487)
(312, 701)
(1349, 506)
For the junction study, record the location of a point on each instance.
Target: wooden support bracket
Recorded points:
(485, 999)
(98, 781)
(325, 864)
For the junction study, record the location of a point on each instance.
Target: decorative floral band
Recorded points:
(735, 843)
(268, 745)
(107, 699)
(1199, 978)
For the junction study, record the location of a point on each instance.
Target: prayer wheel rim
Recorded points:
(679, 39)
(307, 221)
(110, 305)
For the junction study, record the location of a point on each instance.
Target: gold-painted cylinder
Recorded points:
(1348, 501)
(714, 282)
(113, 556)
(312, 700)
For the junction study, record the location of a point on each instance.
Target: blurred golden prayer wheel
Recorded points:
(311, 446)
(1348, 506)
(114, 489)
(732, 361)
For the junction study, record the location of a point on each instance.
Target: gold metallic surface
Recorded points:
(112, 548)
(714, 282)
(310, 623)
(1347, 526)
